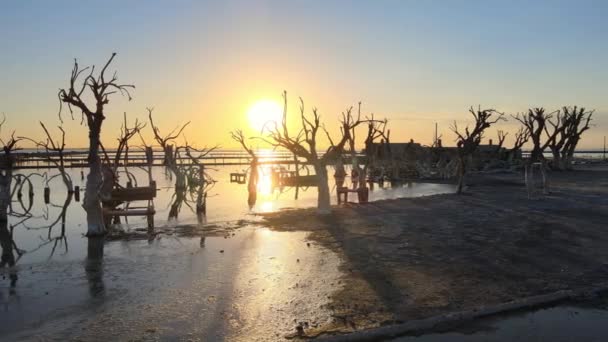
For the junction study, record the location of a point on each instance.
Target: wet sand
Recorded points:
(416, 258)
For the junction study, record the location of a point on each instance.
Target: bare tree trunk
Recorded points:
(252, 185)
(323, 200)
(567, 160)
(461, 173)
(5, 193)
(557, 160)
(91, 202)
(168, 156)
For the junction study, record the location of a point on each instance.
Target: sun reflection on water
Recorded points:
(264, 183)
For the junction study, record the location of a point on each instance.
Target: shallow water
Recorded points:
(255, 284)
(226, 202)
(243, 284)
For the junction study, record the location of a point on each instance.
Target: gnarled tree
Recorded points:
(468, 141)
(502, 135)
(166, 142)
(252, 183)
(304, 145)
(521, 137)
(99, 89)
(574, 122)
(535, 122)
(126, 133)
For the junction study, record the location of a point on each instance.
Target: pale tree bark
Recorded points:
(323, 198)
(252, 180)
(100, 90)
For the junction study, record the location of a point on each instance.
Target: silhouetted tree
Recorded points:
(502, 135)
(166, 142)
(126, 133)
(566, 128)
(521, 137)
(99, 89)
(304, 145)
(468, 141)
(535, 121)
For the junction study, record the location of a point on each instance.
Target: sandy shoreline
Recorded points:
(415, 258)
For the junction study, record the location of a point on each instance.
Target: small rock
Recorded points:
(300, 330)
(222, 251)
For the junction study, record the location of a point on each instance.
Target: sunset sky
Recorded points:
(414, 62)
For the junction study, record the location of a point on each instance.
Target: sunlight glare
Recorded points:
(264, 185)
(264, 112)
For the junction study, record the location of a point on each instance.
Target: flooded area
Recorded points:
(246, 284)
(227, 202)
(237, 288)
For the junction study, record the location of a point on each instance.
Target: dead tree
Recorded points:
(166, 142)
(126, 134)
(521, 137)
(99, 89)
(579, 121)
(468, 141)
(556, 139)
(502, 135)
(252, 184)
(6, 171)
(149, 153)
(55, 149)
(535, 122)
(304, 145)
(196, 182)
(376, 129)
(199, 179)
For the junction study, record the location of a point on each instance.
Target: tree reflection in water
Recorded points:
(93, 266)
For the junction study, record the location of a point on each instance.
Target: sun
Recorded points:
(264, 113)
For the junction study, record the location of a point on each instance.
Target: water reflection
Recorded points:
(195, 207)
(59, 239)
(8, 259)
(93, 266)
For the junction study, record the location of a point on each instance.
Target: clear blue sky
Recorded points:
(416, 62)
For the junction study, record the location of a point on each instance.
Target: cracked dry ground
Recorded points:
(415, 258)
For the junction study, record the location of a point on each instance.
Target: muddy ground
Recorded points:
(415, 258)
